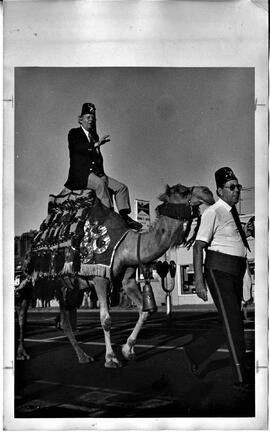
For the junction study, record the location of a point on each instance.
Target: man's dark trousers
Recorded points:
(226, 291)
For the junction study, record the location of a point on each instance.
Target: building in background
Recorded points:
(21, 245)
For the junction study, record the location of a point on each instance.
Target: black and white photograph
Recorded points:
(135, 193)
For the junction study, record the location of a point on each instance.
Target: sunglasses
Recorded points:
(233, 186)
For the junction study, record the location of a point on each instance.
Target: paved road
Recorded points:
(158, 384)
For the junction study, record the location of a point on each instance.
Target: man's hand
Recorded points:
(103, 140)
(201, 290)
(200, 286)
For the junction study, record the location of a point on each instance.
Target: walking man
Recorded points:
(222, 237)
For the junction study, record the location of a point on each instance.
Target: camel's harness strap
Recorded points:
(177, 211)
(141, 268)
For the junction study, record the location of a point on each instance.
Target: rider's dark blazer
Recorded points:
(84, 159)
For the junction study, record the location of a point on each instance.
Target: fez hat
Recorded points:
(88, 108)
(223, 175)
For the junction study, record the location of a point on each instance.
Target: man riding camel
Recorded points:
(86, 166)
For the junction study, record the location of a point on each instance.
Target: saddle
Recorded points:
(67, 212)
(78, 237)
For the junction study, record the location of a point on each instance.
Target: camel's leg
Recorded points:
(102, 286)
(21, 309)
(82, 356)
(132, 290)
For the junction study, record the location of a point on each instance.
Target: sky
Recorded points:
(167, 126)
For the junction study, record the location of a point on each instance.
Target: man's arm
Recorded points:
(200, 286)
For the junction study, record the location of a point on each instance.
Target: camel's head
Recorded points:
(194, 195)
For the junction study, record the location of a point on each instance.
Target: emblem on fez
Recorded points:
(96, 241)
(91, 108)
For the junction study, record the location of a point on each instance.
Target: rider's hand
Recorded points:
(201, 290)
(103, 140)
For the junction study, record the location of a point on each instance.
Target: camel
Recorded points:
(170, 229)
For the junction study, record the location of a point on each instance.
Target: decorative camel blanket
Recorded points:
(78, 237)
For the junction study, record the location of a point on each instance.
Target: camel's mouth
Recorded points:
(210, 201)
(200, 201)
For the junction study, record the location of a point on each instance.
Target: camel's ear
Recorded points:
(164, 197)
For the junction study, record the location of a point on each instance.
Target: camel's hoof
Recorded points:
(128, 355)
(23, 356)
(113, 364)
(86, 359)
(131, 357)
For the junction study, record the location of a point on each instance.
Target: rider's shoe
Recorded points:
(132, 223)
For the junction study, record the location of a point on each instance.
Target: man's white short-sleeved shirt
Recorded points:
(219, 231)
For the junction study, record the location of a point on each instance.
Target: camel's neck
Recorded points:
(158, 240)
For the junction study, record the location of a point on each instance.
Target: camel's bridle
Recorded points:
(178, 211)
